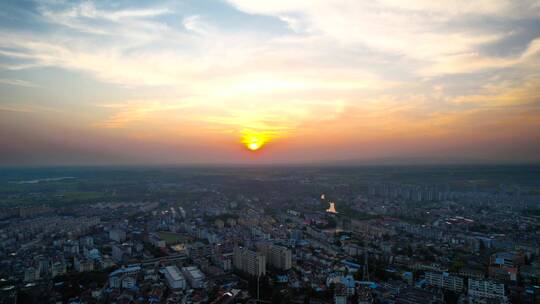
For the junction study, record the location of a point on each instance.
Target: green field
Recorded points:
(171, 238)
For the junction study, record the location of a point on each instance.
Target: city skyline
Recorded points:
(269, 82)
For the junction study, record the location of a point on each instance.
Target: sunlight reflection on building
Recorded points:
(332, 208)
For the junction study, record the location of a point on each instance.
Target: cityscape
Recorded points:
(458, 234)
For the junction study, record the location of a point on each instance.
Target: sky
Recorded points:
(269, 81)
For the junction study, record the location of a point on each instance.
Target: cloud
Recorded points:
(138, 111)
(195, 24)
(345, 71)
(505, 95)
(130, 46)
(423, 31)
(18, 82)
(86, 17)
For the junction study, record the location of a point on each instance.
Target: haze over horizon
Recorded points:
(269, 82)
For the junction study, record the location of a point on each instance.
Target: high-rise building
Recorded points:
(58, 268)
(486, 289)
(87, 241)
(118, 235)
(43, 264)
(83, 265)
(31, 274)
(174, 278)
(445, 281)
(250, 262)
(121, 253)
(194, 276)
(277, 256)
(340, 294)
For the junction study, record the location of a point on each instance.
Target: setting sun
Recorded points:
(254, 140)
(254, 146)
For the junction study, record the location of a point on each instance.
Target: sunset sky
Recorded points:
(191, 82)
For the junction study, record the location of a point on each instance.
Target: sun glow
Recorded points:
(254, 140)
(254, 146)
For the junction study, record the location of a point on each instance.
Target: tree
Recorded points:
(482, 247)
(408, 250)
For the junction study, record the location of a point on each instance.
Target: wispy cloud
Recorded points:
(348, 69)
(18, 82)
(138, 111)
(85, 17)
(424, 31)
